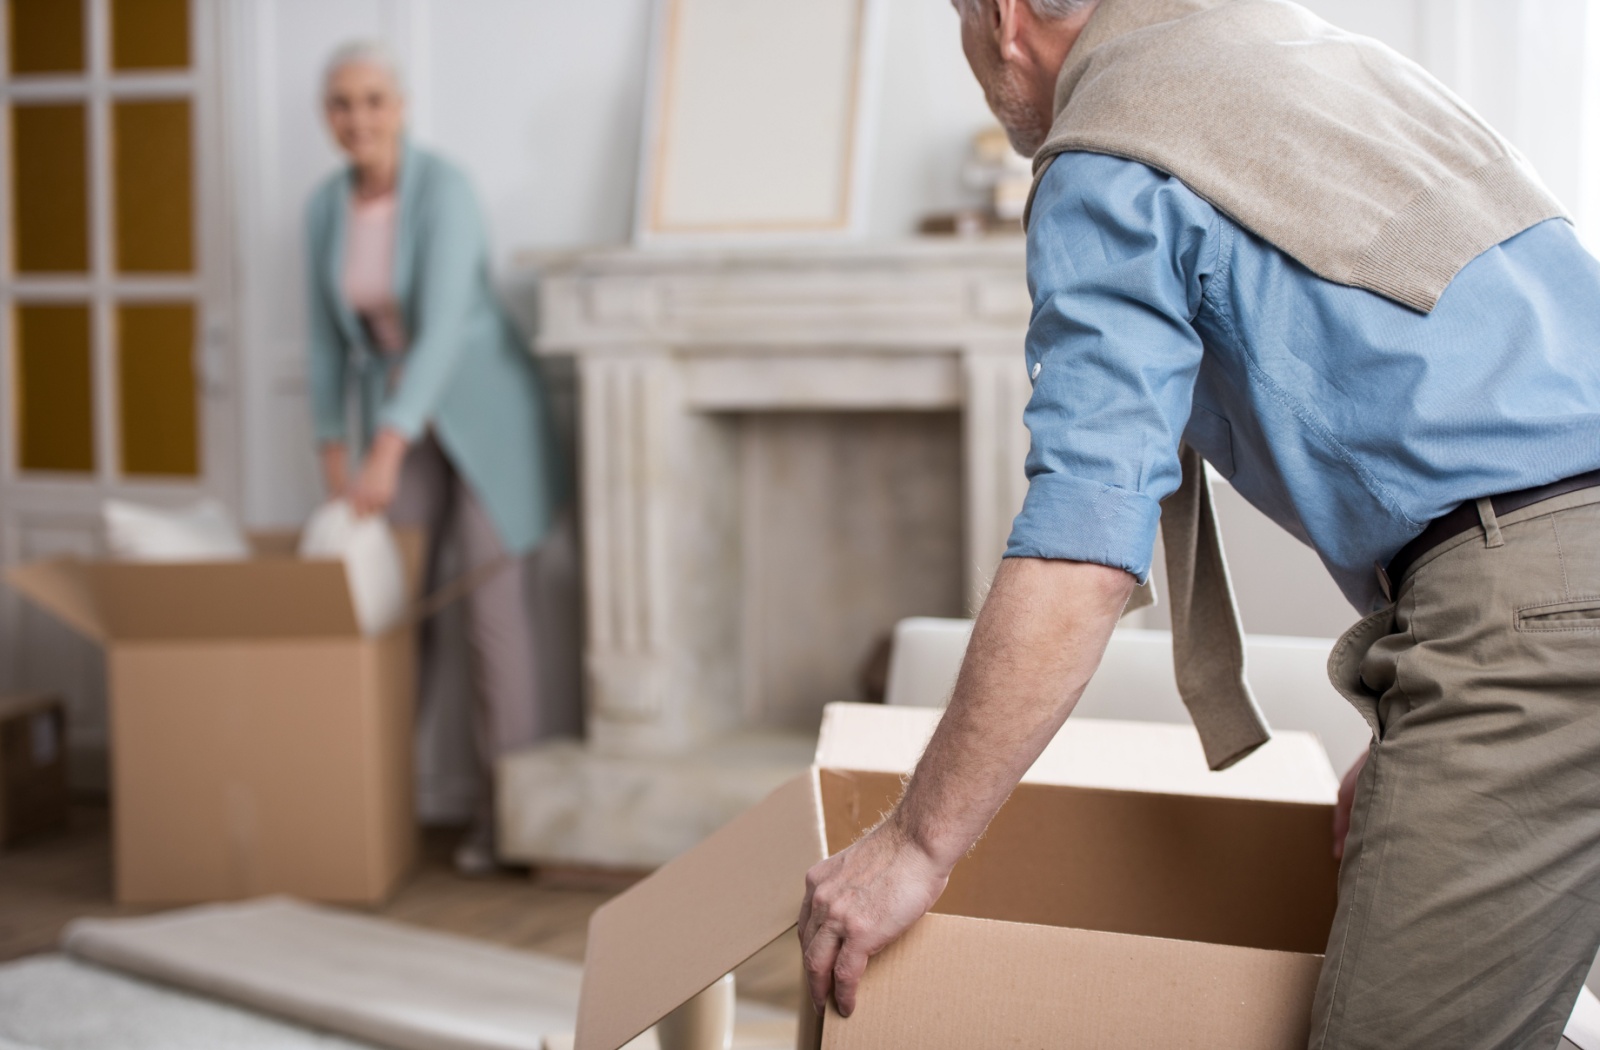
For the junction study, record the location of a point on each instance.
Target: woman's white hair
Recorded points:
(364, 53)
(1042, 8)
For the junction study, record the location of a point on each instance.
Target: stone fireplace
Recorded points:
(782, 453)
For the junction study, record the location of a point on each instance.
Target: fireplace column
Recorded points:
(996, 390)
(655, 526)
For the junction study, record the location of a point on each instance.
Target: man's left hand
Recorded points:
(858, 902)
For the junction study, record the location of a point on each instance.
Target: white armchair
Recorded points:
(1136, 682)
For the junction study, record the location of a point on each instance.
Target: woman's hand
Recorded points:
(380, 474)
(1347, 801)
(335, 469)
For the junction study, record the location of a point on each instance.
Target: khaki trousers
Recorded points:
(507, 714)
(1469, 898)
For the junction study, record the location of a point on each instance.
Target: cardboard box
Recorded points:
(1095, 913)
(33, 766)
(259, 743)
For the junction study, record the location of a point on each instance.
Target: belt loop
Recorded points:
(1491, 524)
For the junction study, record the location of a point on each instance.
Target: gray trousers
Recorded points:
(1469, 897)
(500, 630)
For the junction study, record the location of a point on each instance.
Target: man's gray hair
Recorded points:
(1042, 8)
(368, 53)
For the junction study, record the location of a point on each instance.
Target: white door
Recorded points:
(115, 357)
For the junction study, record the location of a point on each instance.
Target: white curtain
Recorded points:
(1532, 68)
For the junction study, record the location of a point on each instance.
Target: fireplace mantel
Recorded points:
(670, 345)
(911, 296)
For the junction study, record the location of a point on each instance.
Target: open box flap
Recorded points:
(261, 598)
(60, 587)
(1095, 753)
(674, 934)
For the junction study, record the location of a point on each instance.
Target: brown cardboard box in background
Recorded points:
(259, 743)
(33, 766)
(1191, 916)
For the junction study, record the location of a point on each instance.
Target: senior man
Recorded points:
(1289, 250)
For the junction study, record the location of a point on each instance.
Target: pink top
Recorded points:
(368, 279)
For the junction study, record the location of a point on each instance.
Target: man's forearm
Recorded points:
(1036, 644)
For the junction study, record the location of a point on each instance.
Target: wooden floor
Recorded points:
(48, 882)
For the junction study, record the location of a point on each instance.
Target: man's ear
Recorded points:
(1009, 16)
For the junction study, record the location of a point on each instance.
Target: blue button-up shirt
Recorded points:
(1348, 419)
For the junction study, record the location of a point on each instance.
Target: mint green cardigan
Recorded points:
(466, 373)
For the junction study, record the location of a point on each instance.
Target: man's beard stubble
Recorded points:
(1025, 125)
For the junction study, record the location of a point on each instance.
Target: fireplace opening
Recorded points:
(847, 522)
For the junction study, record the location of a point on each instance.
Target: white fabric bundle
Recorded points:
(371, 559)
(203, 531)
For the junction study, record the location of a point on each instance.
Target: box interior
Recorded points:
(1225, 871)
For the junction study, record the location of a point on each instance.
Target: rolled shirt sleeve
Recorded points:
(1118, 256)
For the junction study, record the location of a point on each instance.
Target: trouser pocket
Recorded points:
(1580, 614)
(1344, 664)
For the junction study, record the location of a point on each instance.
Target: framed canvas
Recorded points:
(757, 119)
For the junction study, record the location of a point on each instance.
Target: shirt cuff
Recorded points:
(1065, 518)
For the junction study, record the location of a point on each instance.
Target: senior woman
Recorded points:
(452, 419)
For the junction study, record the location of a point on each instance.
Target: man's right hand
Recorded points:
(1037, 640)
(858, 902)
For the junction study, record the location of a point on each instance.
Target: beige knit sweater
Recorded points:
(1334, 148)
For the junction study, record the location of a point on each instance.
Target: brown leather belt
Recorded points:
(1452, 524)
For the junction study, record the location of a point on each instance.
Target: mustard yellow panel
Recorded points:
(46, 36)
(49, 188)
(156, 394)
(55, 388)
(149, 34)
(152, 179)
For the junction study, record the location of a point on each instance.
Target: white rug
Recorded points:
(51, 1002)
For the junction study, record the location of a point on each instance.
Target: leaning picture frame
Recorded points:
(758, 120)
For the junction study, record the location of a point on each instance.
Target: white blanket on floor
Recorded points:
(369, 978)
(53, 1002)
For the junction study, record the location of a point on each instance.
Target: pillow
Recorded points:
(203, 531)
(372, 562)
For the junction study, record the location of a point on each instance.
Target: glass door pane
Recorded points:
(50, 188)
(149, 34)
(55, 400)
(152, 180)
(156, 389)
(46, 36)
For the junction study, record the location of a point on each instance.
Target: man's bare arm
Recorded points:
(1038, 640)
